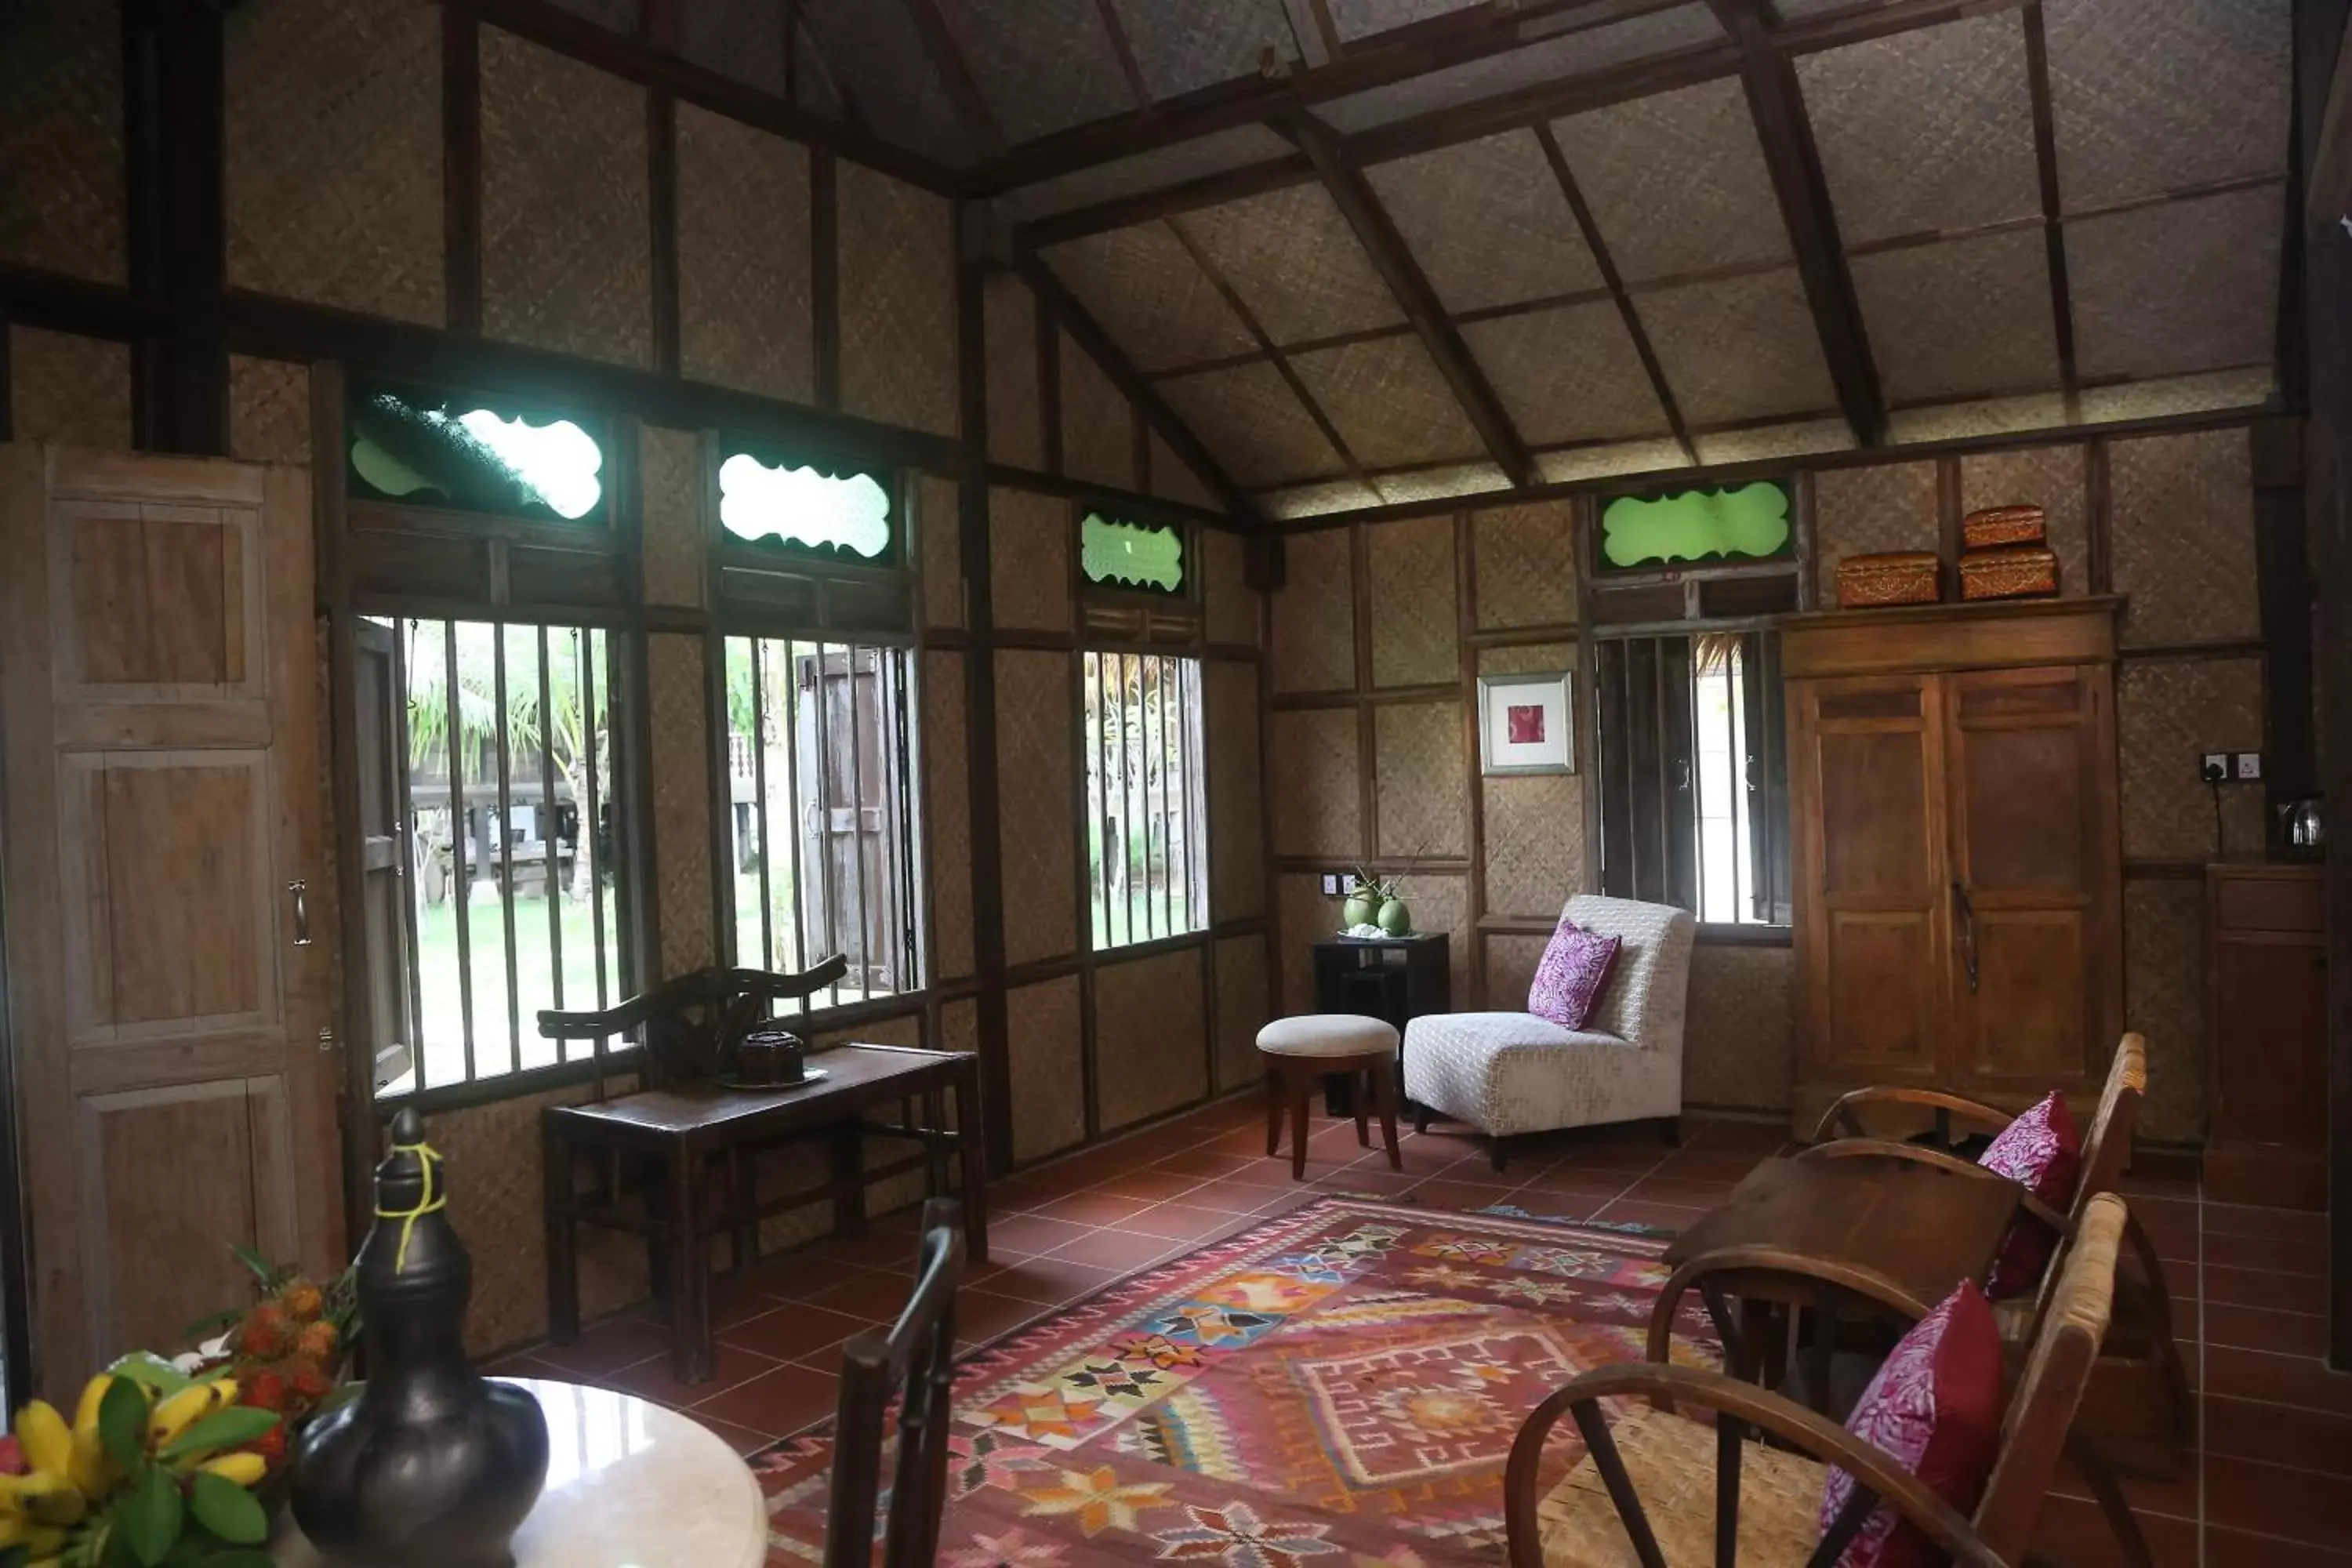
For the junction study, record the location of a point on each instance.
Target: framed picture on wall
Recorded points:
(1526, 723)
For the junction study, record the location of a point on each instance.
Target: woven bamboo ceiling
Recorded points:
(1373, 251)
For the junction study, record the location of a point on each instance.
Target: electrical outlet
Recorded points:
(2246, 767)
(2215, 767)
(1331, 885)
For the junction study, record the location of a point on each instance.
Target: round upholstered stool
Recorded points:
(1300, 1052)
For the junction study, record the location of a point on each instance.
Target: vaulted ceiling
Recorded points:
(1378, 250)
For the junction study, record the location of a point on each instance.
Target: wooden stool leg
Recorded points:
(1300, 1084)
(690, 1293)
(1362, 1098)
(1274, 1101)
(1421, 1116)
(1384, 1095)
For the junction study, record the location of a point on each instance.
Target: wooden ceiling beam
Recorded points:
(1123, 48)
(2328, 187)
(1310, 24)
(1777, 105)
(2053, 233)
(550, 27)
(1378, 234)
(1079, 322)
(955, 73)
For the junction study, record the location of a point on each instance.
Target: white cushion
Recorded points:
(1328, 1035)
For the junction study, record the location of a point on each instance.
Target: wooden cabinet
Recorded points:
(2266, 1035)
(1955, 848)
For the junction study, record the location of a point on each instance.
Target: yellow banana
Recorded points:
(94, 1395)
(42, 1540)
(184, 1409)
(243, 1468)
(52, 1500)
(89, 1469)
(12, 1502)
(42, 1433)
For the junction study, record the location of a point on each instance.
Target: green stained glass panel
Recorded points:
(1131, 555)
(442, 452)
(1748, 524)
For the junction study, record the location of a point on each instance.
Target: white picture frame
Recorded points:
(1527, 723)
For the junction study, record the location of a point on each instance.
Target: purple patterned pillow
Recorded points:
(1574, 971)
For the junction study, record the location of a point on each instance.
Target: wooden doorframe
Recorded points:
(16, 1230)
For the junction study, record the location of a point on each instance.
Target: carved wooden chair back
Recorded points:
(2107, 1150)
(691, 1025)
(915, 1364)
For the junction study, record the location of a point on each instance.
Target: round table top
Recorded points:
(630, 1484)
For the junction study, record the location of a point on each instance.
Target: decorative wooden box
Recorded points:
(1994, 526)
(2020, 572)
(1902, 577)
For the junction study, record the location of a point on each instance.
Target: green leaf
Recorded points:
(122, 1423)
(149, 1517)
(228, 1509)
(264, 1273)
(203, 1327)
(150, 1370)
(230, 1428)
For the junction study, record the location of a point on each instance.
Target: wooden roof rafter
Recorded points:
(955, 72)
(1065, 309)
(1122, 49)
(2053, 233)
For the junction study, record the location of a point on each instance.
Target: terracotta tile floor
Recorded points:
(2273, 1484)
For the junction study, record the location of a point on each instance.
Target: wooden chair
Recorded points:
(690, 1025)
(915, 1364)
(1659, 1488)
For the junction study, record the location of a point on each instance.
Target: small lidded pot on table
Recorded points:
(771, 1056)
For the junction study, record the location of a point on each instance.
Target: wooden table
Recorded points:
(1921, 1230)
(629, 1485)
(678, 1130)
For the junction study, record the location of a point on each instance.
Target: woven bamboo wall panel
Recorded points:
(938, 517)
(1512, 959)
(1041, 66)
(1229, 605)
(1236, 799)
(897, 302)
(1534, 842)
(1388, 401)
(1098, 423)
(1676, 182)
(1253, 423)
(1423, 790)
(61, 185)
(877, 57)
(2182, 537)
(960, 1027)
(2147, 98)
(69, 389)
(1150, 296)
(2253, 388)
(744, 310)
(1015, 408)
(1864, 511)
(2052, 478)
(1043, 1050)
(1295, 262)
(496, 1195)
(1527, 659)
(1961, 318)
(1761, 443)
(1200, 43)
(1313, 618)
(2167, 711)
(742, 38)
(669, 475)
(1150, 1037)
(1455, 481)
(1414, 624)
(268, 411)
(2187, 286)
(1930, 129)
(1315, 782)
(1306, 916)
(1525, 561)
(1316, 501)
(906, 1029)
(1029, 536)
(1569, 374)
(1778, 368)
(1488, 222)
(1607, 462)
(332, 144)
(946, 772)
(565, 261)
(681, 784)
(2164, 999)
(1242, 1009)
(1173, 478)
(1441, 903)
(1035, 814)
(1738, 1051)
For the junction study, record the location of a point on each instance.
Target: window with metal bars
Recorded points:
(493, 886)
(1694, 774)
(1147, 838)
(820, 778)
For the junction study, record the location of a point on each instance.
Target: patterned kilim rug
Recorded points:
(1338, 1388)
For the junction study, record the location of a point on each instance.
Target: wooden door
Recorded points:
(850, 904)
(383, 856)
(2035, 966)
(1865, 761)
(158, 670)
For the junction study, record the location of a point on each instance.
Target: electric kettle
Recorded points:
(2301, 828)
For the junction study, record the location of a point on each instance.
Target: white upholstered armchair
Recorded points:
(1507, 1073)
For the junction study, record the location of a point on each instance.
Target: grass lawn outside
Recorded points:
(442, 1022)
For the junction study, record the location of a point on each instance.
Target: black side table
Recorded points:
(1394, 978)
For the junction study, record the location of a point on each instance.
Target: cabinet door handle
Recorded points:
(1967, 914)
(299, 891)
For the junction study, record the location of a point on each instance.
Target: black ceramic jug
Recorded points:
(432, 1466)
